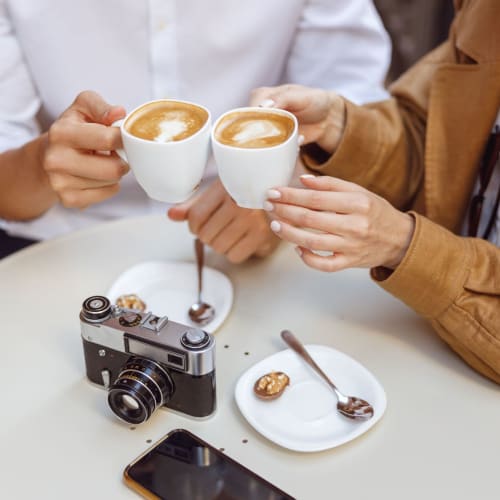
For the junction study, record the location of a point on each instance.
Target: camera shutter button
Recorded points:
(195, 339)
(96, 308)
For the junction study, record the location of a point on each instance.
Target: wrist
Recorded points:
(334, 123)
(404, 235)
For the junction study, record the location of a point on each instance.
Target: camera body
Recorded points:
(146, 361)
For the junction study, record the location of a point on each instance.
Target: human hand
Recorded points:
(238, 233)
(79, 158)
(359, 227)
(320, 113)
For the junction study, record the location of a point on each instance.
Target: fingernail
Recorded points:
(299, 251)
(267, 103)
(301, 139)
(307, 176)
(268, 206)
(275, 226)
(273, 194)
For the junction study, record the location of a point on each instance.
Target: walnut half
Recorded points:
(271, 385)
(131, 301)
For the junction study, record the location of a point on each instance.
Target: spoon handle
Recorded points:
(199, 250)
(297, 346)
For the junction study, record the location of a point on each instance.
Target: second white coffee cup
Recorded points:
(248, 172)
(169, 165)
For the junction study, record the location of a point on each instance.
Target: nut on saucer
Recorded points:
(271, 385)
(131, 301)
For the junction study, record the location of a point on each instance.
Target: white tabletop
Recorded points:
(439, 436)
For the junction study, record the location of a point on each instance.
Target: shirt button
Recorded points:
(161, 25)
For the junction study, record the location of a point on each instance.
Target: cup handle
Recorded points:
(120, 151)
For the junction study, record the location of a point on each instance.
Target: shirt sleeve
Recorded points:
(19, 102)
(454, 282)
(350, 35)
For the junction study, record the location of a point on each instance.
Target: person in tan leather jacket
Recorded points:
(405, 172)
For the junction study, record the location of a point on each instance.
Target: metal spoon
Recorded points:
(350, 406)
(200, 312)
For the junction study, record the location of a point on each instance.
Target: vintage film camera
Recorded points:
(146, 361)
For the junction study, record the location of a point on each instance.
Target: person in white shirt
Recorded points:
(58, 169)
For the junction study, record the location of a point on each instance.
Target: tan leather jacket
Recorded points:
(421, 150)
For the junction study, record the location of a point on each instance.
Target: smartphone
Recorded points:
(181, 466)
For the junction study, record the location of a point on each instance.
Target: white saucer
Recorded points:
(305, 417)
(169, 288)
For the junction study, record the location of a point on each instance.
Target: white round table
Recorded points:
(439, 437)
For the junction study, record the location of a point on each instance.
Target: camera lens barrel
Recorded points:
(142, 386)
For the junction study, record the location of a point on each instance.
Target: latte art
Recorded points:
(254, 129)
(166, 121)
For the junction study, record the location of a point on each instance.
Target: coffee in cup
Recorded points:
(166, 143)
(166, 121)
(255, 149)
(254, 129)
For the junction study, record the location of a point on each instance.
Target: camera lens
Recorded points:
(142, 386)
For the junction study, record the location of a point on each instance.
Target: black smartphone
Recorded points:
(181, 466)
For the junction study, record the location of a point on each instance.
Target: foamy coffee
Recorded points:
(254, 129)
(166, 121)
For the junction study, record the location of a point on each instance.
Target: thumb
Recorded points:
(180, 211)
(113, 114)
(92, 107)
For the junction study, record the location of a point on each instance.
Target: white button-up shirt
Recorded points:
(208, 51)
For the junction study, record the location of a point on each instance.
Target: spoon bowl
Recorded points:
(200, 312)
(350, 406)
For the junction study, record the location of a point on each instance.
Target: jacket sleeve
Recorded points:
(340, 45)
(383, 143)
(458, 290)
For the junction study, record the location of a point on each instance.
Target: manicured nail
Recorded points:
(299, 251)
(268, 206)
(307, 176)
(273, 194)
(275, 226)
(301, 139)
(267, 103)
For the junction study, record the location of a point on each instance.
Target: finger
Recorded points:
(179, 212)
(86, 136)
(330, 263)
(308, 239)
(229, 236)
(219, 220)
(268, 246)
(63, 182)
(261, 96)
(84, 198)
(92, 107)
(87, 166)
(340, 202)
(206, 204)
(329, 222)
(294, 98)
(241, 250)
(328, 183)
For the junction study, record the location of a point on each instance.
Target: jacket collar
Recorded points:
(476, 29)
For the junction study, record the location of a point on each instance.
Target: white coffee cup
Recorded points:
(167, 171)
(247, 173)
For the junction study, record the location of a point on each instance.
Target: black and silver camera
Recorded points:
(146, 361)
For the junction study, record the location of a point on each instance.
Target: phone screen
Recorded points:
(183, 467)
